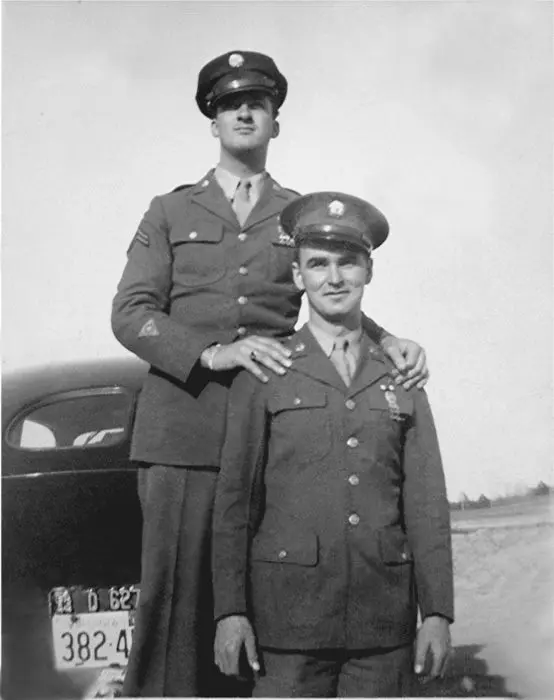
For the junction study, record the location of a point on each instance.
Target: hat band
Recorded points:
(332, 233)
(251, 80)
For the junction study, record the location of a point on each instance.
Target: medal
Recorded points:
(390, 398)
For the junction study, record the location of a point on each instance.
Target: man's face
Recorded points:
(333, 278)
(245, 122)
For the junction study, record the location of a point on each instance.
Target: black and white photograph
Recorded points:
(277, 375)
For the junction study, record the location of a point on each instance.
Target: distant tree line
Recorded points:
(464, 502)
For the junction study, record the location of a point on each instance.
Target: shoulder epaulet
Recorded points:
(182, 187)
(294, 192)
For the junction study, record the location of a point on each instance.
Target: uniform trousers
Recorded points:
(330, 673)
(172, 651)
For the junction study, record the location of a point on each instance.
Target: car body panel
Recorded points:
(70, 509)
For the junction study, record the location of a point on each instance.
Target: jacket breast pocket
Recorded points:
(297, 547)
(300, 426)
(198, 253)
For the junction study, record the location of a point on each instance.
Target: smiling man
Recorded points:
(331, 523)
(207, 290)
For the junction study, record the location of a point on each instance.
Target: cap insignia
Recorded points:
(236, 60)
(336, 208)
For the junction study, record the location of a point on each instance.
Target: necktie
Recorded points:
(242, 202)
(343, 360)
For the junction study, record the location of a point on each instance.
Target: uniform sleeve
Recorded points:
(140, 319)
(427, 513)
(238, 495)
(374, 331)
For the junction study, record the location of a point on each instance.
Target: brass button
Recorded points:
(193, 234)
(282, 554)
(297, 401)
(243, 270)
(354, 519)
(353, 480)
(383, 387)
(242, 300)
(241, 330)
(404, 556)
(242, 236)
(352, 442)
(350, 405)
(300, 347)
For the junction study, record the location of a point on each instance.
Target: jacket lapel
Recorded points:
(308, 358)
(209, 195)
(372, 366)
(271, 203)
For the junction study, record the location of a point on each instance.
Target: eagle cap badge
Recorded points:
(336, 208)
(236, 60)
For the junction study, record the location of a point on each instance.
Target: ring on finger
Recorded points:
(253, 355)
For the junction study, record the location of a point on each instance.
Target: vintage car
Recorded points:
(71, 525)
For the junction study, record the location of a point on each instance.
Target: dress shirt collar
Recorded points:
(229, 183)
(327, 339)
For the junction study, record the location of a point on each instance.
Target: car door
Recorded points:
(70, 510)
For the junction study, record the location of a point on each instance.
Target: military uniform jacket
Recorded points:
(195, 277)
(331, 523)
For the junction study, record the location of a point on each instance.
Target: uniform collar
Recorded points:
(327, 340)
(308, 357)
(229, 182)
(209, 194)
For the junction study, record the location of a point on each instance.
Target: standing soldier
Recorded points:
(207, 290)
(331, 524)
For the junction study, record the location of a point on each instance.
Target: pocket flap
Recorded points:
(286, 548)
(394, 546)
(305, 397)
(198, 233)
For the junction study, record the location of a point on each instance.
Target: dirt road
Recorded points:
(504, 581)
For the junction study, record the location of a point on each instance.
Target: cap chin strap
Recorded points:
(334, 239)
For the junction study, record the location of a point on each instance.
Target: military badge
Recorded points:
(285, 239)
(140, 237)
(236, 60)
(336, 208)
(149, 330)
(391, 399)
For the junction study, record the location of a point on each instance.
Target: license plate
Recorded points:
(91, 627)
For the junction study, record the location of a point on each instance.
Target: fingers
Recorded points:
(232, 633)
(395, 354)
(253, 367)
(270, 353)
(416, 373)
(420, 656)
(258, 353)
(277, 349)
(251, 654)
(227, 654)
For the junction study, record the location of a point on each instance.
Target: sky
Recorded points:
(437, 112)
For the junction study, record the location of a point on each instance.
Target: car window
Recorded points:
(79, 419)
